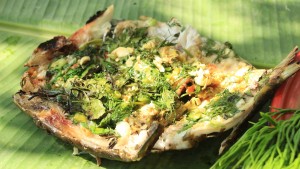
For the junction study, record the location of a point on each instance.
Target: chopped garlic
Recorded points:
(136, 140)
(240, 103)
(122, 51)
(84, 60)
(201, 77)
(129, 62)
(141, 66)
(158, 63)
(168, 53)
(242, 71)
(123, 128)
(149, 110)
(149, 45)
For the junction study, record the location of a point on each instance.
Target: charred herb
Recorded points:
(224, 105)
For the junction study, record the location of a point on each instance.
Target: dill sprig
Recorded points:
(224, 105)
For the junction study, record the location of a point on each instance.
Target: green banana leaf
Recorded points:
(261, 31)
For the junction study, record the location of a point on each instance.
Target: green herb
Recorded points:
(79, 118)
(94, 92)
(88, 50)
(118, 113)
(222, 51)
(224, 105)
(158, 89)
(128, 38)
(94, 128)
(72, 72)
(264, 146)
(187, 126)
(167, 100)
(188, 53)
(94, 108)
(58, 64)
(165, 43)
(109, 67)
(185, 70)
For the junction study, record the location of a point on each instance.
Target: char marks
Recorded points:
(53, 44)
(95, 16)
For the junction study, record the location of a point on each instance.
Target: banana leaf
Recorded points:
(261, 31)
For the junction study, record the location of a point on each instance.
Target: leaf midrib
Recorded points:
(30, 30)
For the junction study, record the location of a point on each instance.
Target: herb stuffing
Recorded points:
(223, 105)
(106, 81)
